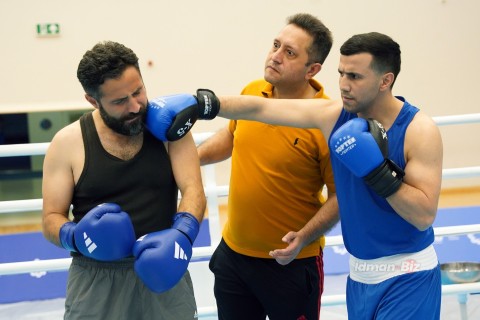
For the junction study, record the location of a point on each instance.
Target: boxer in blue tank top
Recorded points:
(387, 163)
(390, 288)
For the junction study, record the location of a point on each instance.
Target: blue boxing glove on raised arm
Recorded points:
(362, 146)
(170, 117)
(162, 257)
(105, 233)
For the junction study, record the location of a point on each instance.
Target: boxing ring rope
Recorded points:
(11, 206)
(212, 192)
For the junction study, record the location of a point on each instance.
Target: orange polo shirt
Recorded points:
(278, 174)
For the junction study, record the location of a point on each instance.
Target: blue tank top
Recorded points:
(371, 228)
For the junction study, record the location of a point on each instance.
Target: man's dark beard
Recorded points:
(119, 126)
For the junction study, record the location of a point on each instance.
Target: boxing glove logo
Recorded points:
(188, 125)
(344, 144)
(91, 246)
(208, 104)
(179, 252)
(159, 103)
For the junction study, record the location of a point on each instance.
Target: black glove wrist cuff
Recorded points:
(386, 179)
(208, 104)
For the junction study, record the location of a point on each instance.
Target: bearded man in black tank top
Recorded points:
(123, 184)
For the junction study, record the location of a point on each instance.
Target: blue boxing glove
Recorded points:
(105, 233)
(162, 257)
(362, 146)
(169, 118)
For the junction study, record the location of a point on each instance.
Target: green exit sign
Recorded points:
(48, 29)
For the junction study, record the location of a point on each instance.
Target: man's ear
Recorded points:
(313, 69)
(91, 100)
(387, 81)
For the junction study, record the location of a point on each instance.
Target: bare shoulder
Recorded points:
(327, 118)
(423, 125)
(66, 142)
(66, 154)
(68, 136)
(423, 135)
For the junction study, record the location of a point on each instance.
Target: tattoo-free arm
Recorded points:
(57, 184)
(416, 200)
(186, 169)
(301, 113)
(216, 148)
(324, 220)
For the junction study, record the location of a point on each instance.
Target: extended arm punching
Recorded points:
(175, 115)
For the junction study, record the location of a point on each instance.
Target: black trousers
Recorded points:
(253, 288)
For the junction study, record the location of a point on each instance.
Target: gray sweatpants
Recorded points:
(112, 290)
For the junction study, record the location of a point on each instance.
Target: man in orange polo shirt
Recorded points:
(269, 262)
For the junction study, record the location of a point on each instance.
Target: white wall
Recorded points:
(222, 45)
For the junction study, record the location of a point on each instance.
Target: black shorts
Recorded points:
(253, 288)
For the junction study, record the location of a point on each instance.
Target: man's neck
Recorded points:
(304, 91)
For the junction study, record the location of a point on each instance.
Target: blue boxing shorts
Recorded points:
(415, 295)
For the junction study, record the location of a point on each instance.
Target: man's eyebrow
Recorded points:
(120, 99)
(348, 72)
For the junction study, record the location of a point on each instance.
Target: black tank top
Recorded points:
(143, 186)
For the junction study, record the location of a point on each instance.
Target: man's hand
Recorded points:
(287, 255)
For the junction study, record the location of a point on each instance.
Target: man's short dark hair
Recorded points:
(106, 60)
(385, 51)
(322, 39)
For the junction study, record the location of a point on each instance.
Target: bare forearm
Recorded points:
(51, 224)
(216, 148)
(300, 113)
(322, 222)
(414, 206)
(239, 107)
(194, 202)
